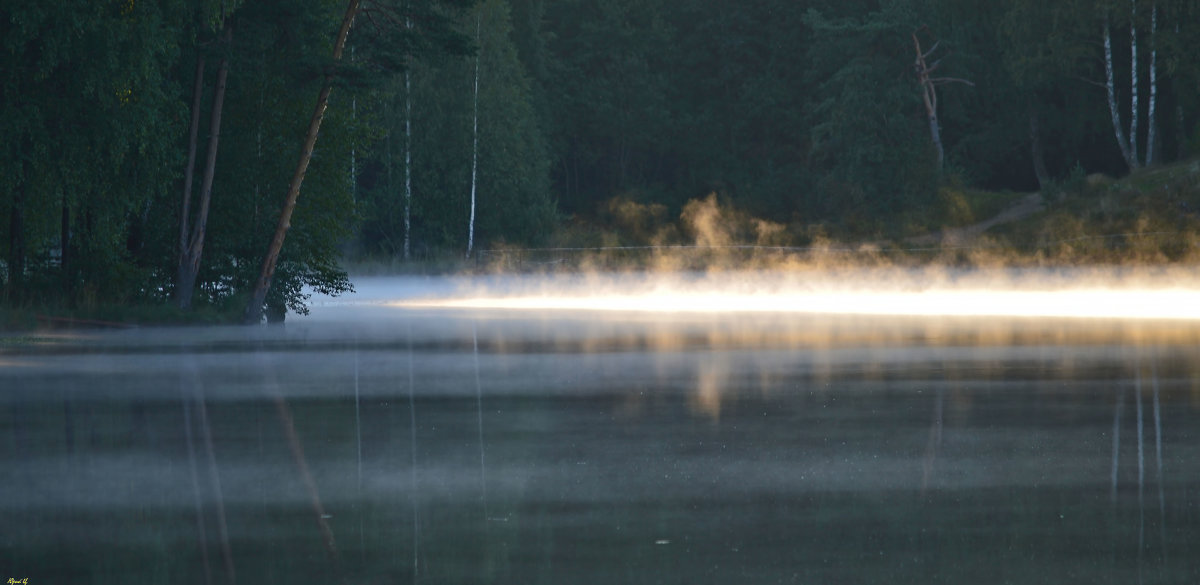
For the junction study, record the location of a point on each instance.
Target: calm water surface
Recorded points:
(374, 444)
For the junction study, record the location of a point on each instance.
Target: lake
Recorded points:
(375, 442)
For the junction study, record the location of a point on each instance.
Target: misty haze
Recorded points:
(373, 442)
(382, 292)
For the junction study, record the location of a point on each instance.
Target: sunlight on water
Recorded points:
(1123, 304)
(909, 296)
(695, 434)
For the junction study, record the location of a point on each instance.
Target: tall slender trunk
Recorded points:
(929, 95)
(935, 130)
(1035, 150)
(1181, 148)
(353, 149)
(1110, 85)
(1151, 129)
(407, 162)
(474, 142)
(65, 242)
(1180, 130)
(16, 244)
(254, 310)
(1133, 82)
(189, 262)
(190, 170)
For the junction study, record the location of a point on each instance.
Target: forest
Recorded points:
(153, 151)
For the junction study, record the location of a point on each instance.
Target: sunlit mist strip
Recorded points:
(1176, 304)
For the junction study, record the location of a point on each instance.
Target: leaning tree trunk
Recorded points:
(189, 260)
(254, 310)
(190, 170)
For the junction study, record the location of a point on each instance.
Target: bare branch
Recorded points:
(932, 49)
(945, 80)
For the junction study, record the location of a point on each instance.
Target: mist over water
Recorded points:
(389, 437)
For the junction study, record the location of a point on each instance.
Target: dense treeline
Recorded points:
(813, 110)
(148, 145)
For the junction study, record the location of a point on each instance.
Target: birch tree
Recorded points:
(407, 156)
(383, 53)
(1111, 91)
(1128, 141)
(474, 142)
(1151, 124)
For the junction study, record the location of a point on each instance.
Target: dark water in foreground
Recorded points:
(485, 448)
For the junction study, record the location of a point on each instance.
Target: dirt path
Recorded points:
(1027, 206)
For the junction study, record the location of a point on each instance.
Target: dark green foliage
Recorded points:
(806, 113)
(514, 204)
(88, 114)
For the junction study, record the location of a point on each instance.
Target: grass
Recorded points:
(962, 207)
(1151, 216)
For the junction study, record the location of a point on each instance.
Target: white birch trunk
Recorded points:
(474, 143)
(407, 154)
(1113, 107)
(353, 149)
(1133, 83)
(1150, 107)
(407, 164)
(1180, 131)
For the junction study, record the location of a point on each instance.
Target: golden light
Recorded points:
(1162, 300)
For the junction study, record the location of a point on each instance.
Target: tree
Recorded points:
(88, 116)
(513, 164)
(609, 70)
(929, 83)
(863, 131)
(511, 169)
(1128, 141)
(258, 297)
(474, 142)
(391, 41)
(191, 237)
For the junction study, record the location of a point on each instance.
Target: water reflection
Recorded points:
(437, 446)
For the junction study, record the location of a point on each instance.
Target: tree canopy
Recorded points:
(801, 112)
